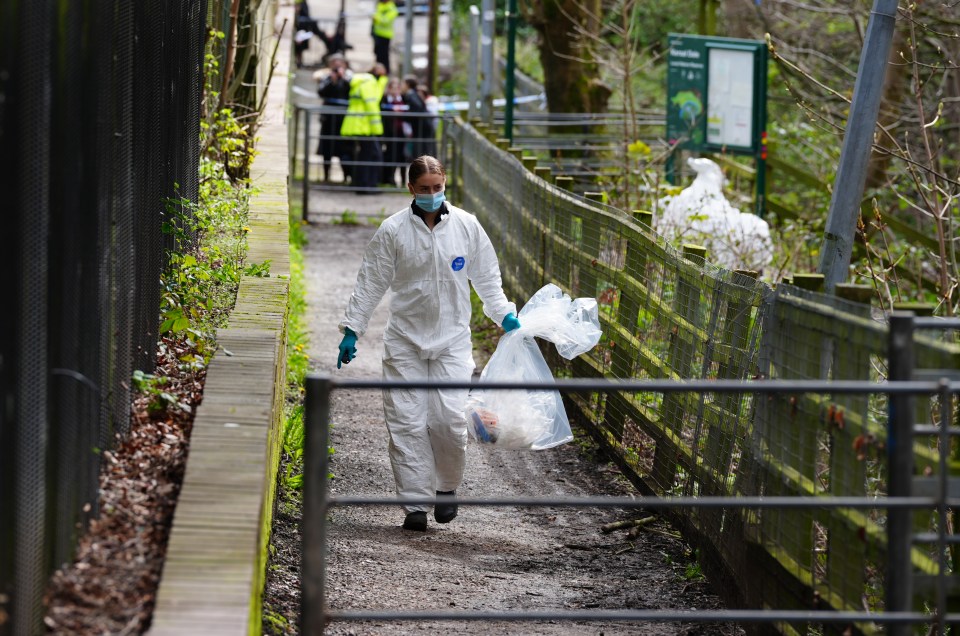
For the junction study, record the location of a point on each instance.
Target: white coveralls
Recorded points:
(427, 336)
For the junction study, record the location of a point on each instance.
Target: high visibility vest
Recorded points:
(362, 118)
(383, 17)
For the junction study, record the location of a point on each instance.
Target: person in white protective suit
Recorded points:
(428, 254)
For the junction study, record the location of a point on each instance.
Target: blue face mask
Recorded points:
(430, 202)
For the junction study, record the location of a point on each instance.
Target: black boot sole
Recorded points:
(445, 513)
(415, 521)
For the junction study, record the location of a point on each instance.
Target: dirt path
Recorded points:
(488, 558)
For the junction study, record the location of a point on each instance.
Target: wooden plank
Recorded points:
(212, 578)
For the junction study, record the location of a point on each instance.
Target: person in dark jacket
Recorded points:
(307, 27)
(335, 91)
(395, 127)
(420, 120)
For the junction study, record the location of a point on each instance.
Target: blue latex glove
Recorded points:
(348, 347)
(510, 322)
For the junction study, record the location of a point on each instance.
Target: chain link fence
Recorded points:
(670, 314)
(99, 125)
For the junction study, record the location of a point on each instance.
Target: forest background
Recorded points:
(595, 56)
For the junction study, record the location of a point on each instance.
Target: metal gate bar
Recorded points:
(315, 615)
(689, 616)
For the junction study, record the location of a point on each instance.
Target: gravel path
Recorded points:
(488, 558)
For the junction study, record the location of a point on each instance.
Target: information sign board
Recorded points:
(686, 90)
(730, 101)
(716, 93)
(717, 99)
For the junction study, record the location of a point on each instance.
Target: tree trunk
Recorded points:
(571, 81)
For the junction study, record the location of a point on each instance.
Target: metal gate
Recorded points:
(321, 159)
(907, 494)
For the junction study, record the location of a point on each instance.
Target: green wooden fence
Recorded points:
(671, 314)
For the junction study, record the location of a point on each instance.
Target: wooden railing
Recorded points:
(670, 314)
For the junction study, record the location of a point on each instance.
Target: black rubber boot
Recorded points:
(416, 521)
(445, 513)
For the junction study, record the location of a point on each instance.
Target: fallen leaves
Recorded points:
(111, 585)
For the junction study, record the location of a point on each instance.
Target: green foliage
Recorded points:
(225, 139)
(693, 571)
(347, 217)
(293, 437)
(160, 401)
(228, 142)
(527, 56)
(377, 220)
(259, 270)
(297, 329)
(652, 20)
(199, 285)
(796, 246)
(276, 623)
(298, 364)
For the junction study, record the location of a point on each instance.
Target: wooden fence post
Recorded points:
(644, 218)
(543, 172)
(862, 294)
(919, 309)
(589, 243)
(635, 265)
(561, 223)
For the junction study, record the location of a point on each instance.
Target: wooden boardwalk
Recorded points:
(213, 574)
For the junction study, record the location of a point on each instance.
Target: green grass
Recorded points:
(298, 364)
(298, 338)
(347, 217)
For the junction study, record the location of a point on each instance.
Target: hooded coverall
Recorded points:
(427, 337)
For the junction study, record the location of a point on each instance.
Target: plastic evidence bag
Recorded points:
(528, 419)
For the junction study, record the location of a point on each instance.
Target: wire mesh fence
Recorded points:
(772, 609)
(670, 314)
(99, 121)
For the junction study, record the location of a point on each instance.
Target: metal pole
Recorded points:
(486, 62)
(943, 511)
(306, 167)
(408, 39)
(511, 63)
(899, 579)
(433, 39)
(294, 140)
(473, 69)
(841, 227)
(313, 604)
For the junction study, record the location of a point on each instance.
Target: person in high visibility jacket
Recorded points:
(383, 17)
(362, 121)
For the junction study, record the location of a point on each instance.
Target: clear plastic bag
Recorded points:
(525, 419)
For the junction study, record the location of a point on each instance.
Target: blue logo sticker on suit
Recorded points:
(458, 263)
